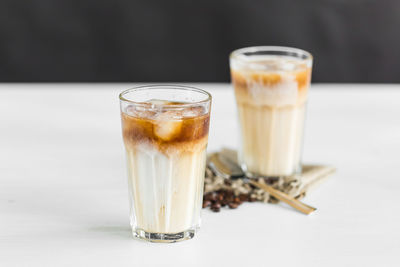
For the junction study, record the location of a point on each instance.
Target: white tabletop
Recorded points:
(63, 185)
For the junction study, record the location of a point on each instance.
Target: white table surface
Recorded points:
(63, 185)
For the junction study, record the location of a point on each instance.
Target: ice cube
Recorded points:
(193, 112)
(130, 110)
(158, 102)
(167, 125)
(140, 112)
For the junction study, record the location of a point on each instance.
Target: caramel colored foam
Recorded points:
(285, 88)
(183, 133)
(303, 78)
(241, 78)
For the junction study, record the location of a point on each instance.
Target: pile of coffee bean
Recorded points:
(220, 192)
(221, 198)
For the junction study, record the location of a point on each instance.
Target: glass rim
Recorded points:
(166, 87)
(291, 51)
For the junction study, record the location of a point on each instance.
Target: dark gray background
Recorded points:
(189, 41)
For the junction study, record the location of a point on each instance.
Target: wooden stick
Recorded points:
(298, 205)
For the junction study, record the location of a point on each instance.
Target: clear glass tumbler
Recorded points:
(271, 88)
(165, 132)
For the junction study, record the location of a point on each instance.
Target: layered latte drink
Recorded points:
(165, 131)
(271, 88)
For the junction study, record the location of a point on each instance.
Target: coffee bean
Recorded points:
(233, 205)
(229, 198)
(243, 197)
(212, 196)
(225, 201)
(228, 193)
(206, 203)
(216, 207)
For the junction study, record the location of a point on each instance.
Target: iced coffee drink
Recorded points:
(271, 88)
(165, 131)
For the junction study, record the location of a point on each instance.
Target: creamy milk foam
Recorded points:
(166, 154)
(271, 94)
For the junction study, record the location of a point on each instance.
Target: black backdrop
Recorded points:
(189, 41)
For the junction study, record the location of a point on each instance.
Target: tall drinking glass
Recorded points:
(165, 131)
(271, 88)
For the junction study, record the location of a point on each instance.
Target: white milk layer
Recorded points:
(166, 189)
(271, 138)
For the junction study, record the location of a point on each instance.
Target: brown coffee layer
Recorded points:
(184, 133)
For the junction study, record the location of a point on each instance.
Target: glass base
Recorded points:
(253, 175)
(163, 237)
